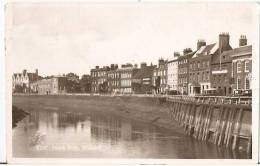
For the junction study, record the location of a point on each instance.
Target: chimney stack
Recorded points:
(223, 41)
(186, 51)
(24, 72)
(143, 65)
(242, 41)
(97, 67)
(176, 54)
(112, 66)
(200, 43)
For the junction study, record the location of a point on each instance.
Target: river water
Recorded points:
(53, 133)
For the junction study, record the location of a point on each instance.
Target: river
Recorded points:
(92, 134)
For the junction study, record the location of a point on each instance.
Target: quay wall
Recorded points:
(225, 124)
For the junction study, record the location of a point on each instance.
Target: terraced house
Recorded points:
(142, 80)
(160, 77)
(183, 70)
(172, 77)
(241, 72)
(127, 71)
(205, 64)
(99, 77)
(114, 79)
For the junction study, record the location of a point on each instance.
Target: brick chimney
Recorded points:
(97, 67)
(242, 41)
(161, 62)
(176, 54)
(143, 65)
(112, 66)
(223, 41)
(200, 43)
(24, 72)
(186, 51)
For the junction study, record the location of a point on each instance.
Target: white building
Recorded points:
(21, 81)
(172, 77)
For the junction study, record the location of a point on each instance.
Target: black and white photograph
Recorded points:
(134, 80)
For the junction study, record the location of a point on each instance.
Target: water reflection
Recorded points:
(91, 134)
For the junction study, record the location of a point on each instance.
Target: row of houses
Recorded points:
(210, 68)
(214, 67)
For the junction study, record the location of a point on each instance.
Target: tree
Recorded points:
(85, 83)
(103, 88)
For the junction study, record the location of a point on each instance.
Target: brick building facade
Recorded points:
(205, 66)
(160, 77)
(99, 77)
(183, 71)
(241, 68)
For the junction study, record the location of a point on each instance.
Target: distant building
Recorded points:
(160, 77)
(21, 81)
(114, 79)
(99, 79)
(201, 64)
(172, 75)
(54, 85)
(142, 80)
(183, 70)
(127, 71)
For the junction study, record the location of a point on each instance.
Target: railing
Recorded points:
(205, 99)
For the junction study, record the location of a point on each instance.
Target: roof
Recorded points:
(207, 50)
(173, 60)
(187, 55)
(32, 76)
(239, 51)
(144, 72)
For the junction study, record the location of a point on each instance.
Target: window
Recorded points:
(247, 66)
(239, 67)
(238, 83)
(247, 83)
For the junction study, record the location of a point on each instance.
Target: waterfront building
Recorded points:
(53, 85)
(142, 80)
(127, 71)
(21, 81)
(99, 79)
(160, 77)
(241, 72)
(172, 75)
(201, 64)
(114, 79)
(183, 70)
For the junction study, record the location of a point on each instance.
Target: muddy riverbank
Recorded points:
(146, 109)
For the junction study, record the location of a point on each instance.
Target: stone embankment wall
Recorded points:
(211, 119)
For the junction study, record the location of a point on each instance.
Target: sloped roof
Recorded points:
(32, 76)
(207, 50)
(239, 51)
(187, 55)
(144, 72)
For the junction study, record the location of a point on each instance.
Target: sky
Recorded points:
(58, 38)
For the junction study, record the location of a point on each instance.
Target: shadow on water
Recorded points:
(94, 135)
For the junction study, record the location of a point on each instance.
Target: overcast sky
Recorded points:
(75, 37)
